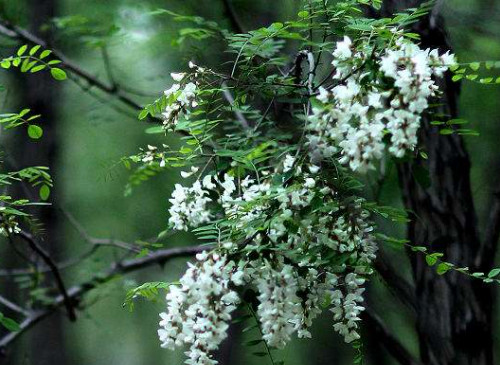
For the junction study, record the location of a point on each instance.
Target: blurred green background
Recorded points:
(91, 131)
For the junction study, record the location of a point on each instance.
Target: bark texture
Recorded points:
(454, 313)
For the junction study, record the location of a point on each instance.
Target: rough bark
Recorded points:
(454, 313)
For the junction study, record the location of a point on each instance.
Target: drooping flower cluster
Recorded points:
(362, 106)
(199, 310)
(189, 204)
(180, 99)
(301, 237)
(295, 270)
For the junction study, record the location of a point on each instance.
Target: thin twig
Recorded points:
(230, 99)
(13, 306)
(75, 293)
(54, 269)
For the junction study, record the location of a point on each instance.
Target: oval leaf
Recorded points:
(35, 131)
(58, 74)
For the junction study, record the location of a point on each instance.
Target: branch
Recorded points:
(54, 269)
(13, 306)
(75, 293)
(233, 17)
(230, 99)
(391, 343)
(15, 32)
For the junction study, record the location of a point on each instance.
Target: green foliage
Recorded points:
(32, 60)
(149, 291)
(13, 120)
(468, 71)
(9, 323)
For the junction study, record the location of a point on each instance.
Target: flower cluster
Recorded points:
(189, 206)
(363, 105)
(179, 100)
(293, 270)
(200, 308)
(8, 225)
(298, 236)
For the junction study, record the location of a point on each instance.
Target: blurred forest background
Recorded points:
(131, 44)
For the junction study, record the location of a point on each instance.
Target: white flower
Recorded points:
(343, 50)
(186, 174)
(189, 206)
(199, 311)
(177, 76)
(288, 163)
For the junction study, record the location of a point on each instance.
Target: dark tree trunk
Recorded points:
(40, 94)
(454, 313)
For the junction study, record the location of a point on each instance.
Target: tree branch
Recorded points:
(13, 306)
(54, 269)
(15, 32)
(230, 99)
(76, 292)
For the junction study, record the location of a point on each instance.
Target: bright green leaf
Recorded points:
(58, 74)
(35, 131)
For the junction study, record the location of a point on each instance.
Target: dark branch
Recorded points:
(75, 293)
(54, 269)
(15, 32)
(13, 306)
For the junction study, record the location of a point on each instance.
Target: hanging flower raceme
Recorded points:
(180, 98)
(293, 270)
(374, 93)
(199, 309)
(287, 224)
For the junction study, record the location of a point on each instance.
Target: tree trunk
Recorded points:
(454, 313)
(40, 94)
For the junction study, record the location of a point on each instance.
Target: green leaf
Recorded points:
(37, 68)
(456, 78)
(431, 260)
(446, 131)
(58, 74)
(34, 50)
(475, 66)
(35, 131)
(253, 342)
(303, 14)
(143, 114)
(5, 64)
(44, 192)
(21, 50)
(443, 268)
(45, 53)
(9, 323)
(457, 121)
(493, 273)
